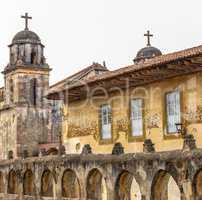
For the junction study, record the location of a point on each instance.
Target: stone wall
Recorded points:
(8, 132)
(25, 116)
(174, 175)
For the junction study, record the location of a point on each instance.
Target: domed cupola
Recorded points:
(148, 51)
(26, 36)
(26, 48)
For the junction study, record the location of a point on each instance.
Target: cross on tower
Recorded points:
(148, 35)
(26, 17)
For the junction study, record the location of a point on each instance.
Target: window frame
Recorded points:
(101, 139)
(167, 134)
(131, 137)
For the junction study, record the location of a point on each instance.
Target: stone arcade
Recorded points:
(140, 176)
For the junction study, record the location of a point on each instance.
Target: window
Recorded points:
(11, 90)
(173, 111)
(106, 122)
(137, 117)
(33, 92)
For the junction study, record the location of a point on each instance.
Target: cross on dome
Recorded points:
(26, 17)
(148, 35)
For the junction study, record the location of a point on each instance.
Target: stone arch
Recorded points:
(12, 182)
(33, 57)
(197, 185)
(52, 151)
(70, 185)
(126, 187)
(47, 184)
(28, 183)
(96, 188)
(164, 187)
(1, 183)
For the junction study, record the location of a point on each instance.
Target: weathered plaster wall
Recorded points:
(81, 122)
(8, 132)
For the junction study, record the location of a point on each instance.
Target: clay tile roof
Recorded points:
(156, 61)
(59, 85)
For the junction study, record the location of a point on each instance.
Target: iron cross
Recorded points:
(26, 17)
(148, 35)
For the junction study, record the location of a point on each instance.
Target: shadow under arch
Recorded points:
(126, 187)
(47, 184)
(13, 183)
(197, 185)
(164, 187)
(28, 183)
(70, 185)
(96, 188)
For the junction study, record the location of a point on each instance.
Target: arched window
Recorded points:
(28, 183)
(70, 185)
(164, 187)
(33, 58)
(127, 187)
(47, 184)
(12, 182)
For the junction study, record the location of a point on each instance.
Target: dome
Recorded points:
(146, 53)
(26, 36)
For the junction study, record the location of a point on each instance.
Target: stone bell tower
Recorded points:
(26, 81)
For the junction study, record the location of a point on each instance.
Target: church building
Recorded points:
(25, 122)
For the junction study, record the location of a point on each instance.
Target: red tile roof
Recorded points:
(62, 83)
(156, 61)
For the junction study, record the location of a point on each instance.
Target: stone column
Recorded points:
(5, 184)
(20, 189)
(37, 184)
(182, 193)
(187, 190)
(58, 187)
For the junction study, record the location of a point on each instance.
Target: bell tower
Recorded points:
(26, 82)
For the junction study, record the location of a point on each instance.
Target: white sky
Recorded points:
(78, 32)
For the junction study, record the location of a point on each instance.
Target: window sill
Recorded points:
(136, 138)
(105, 141)
(171, 136)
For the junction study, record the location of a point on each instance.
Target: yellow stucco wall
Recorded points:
(81, 122)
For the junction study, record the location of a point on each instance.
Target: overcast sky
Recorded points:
(78, 32)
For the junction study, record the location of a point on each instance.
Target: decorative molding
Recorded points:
(122, 125)
(193, 116)
(78, 131)
(153, 121)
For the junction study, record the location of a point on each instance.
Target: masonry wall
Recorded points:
(25, 112)
(8, 132)
(140, 176)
